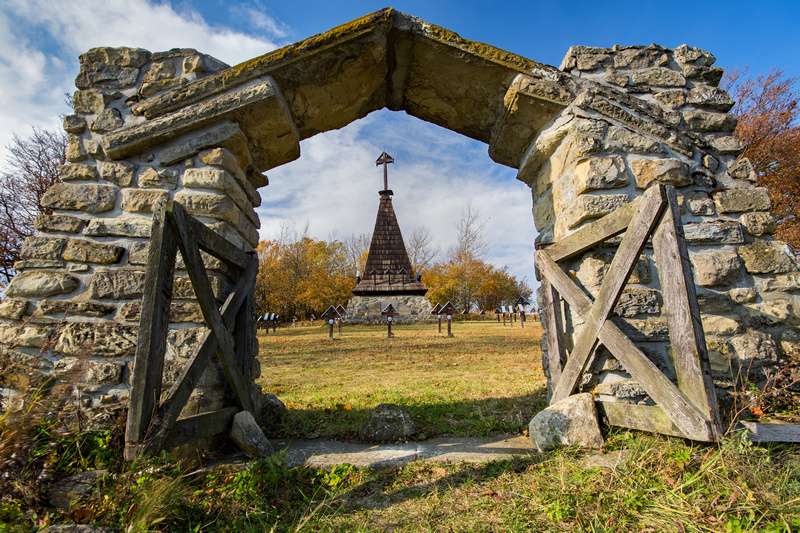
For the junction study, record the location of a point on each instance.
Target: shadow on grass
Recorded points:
(458, 418)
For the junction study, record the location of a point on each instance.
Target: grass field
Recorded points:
(486, 378)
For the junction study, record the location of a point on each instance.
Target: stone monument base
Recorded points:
(367, 309)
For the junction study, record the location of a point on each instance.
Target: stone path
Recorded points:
(326, 453)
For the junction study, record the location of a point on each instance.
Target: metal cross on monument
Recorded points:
(384, 160)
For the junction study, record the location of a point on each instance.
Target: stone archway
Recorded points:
(587, 138)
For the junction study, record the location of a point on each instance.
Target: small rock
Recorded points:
(387, 422)
(571, 421)
(249, 437)
(272, 409)
(71, 490)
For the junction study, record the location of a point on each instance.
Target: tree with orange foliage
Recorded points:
(768, 109)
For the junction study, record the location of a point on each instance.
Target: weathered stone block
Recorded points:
(92, 252)
(762, 257)
(119, 227)
(107, 120)
(138, 253)
(658, 77)
(184, 341)
(715, 269)
(594, 266)
(27, 336)
(58, 223)
(103, 373)
(221, 180)
(691, 55)
(150, 178)
(666, 171)
(599, 173)
(627, 141)
(570, 422)
(587, 207)
(80, 197)
(217, 206)
(759, 224)
(638, 301)
(13, 309)
(106, 76)
(117, 284)
(90, 102)
(674, 99)
(719, 325)
(78, 172)
(714, 302)
(249, 437)
(387, 423)
(41, 283)
(42, 248)
(782, 283)
(741, 200)
(142, 201)
(118, 172)
(742, 169)
(699, 203)
(178, 312)
(710, 98)
(74, 124)
(769, 313)
(716, 232)
(754, 349)
(62, 307)
(75, 150)
(710, 75)
(743, 295)
(725, 144)
(706, 121)
(646, 329)
(103, 339)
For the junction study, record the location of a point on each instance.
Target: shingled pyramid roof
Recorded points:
(388, 270)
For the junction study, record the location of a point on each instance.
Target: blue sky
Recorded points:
(333, 186)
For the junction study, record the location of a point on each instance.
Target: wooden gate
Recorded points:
(153, 424)
(686, 410)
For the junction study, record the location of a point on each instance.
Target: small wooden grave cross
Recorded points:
(505, 311)
(449, 310)
(389, 311)
(330, 315)
(521, 303)
(312, 317)
(342, 315)
(497, 313)
(384, 160)
(438, 312)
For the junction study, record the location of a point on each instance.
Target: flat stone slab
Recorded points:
(326, 453)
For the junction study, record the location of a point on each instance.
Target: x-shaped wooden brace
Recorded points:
(692, 406)
(173, 230)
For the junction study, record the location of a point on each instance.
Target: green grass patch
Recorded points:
(486, 379)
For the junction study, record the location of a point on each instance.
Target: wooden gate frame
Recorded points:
(687, 410)
(153, 424)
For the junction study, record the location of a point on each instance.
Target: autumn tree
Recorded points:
(31, 168)
(768, 110)
(420, 248)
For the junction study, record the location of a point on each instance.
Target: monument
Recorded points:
(388, 276)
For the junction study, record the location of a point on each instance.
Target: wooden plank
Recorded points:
(200, 426)
(244, 336)
(153, 327)
(682, 411)
(556, 352)
(642, 224)
(642, 417)
(773, 432)
(187, 243)
(216, 245)
(590, 235)
(191, 373)
(687, 338)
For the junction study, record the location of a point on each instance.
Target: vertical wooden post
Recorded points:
(554, 328)
(686, 334)
(389, 327)
(153, 327)
(449, 322)
(340, 326)
(330, 329)
(440, 322)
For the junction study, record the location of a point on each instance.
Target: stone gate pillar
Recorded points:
(74, 307)
(656, 116)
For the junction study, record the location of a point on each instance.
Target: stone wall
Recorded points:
(77, 298)
(657, 116)
(367, 309)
